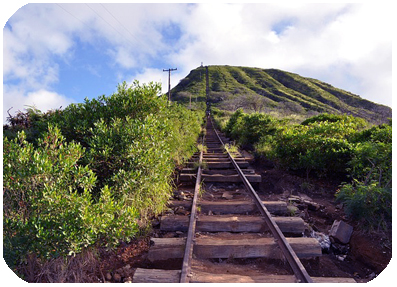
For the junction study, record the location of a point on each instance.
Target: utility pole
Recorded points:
(169, 83)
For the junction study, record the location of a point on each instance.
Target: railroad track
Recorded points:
(221, 231)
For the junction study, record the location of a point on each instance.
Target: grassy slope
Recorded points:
(273, 91)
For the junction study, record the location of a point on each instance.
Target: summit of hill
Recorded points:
(273, 91)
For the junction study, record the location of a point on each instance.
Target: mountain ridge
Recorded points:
(272, 91)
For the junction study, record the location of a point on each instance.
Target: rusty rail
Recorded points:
(293, 260)
(187, 257)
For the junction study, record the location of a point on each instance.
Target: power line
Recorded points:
(110, 24)
(70, 13)
(121, 24)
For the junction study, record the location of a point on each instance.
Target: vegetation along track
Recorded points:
(226, 233)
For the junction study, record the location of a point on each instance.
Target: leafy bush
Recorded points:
(369, 203)
(369, 196)
(332, 118)
(47, 205)
(320, 147)
(235, 117)
(248, 129)
(329, 144)
(98, 168)
(317, 144)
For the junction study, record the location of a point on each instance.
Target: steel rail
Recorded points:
(293, 260)
(187, 257)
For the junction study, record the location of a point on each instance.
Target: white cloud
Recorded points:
(347, 45)
(43, 100)
(157, 75)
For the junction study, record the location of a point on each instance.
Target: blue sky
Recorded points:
(56, 54)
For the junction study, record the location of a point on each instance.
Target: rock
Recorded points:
(227, 195)
(312, 205)
(128, 280)
(371, 276)
(339, 248)
(170, 211)
(323, 239)
(120, 272)
(108, 276)
(303, 196)
(155, 222)
(339, 206)
(181, 211)
(294, 198)
(117, 277)
(341, 231)
(341, 257)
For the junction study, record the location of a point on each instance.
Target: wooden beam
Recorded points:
(248, 171)
(220, 178)
(233, 207)
(253, 248)
(142, 275)
(230, 223)
(204, 277)
(169, 248)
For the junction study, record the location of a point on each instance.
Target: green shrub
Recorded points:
(235, 117)
(248, 129)
(368, 203)
(319, 146)
(332, 118)
(47, 205)
(112, 167)
(369, 196)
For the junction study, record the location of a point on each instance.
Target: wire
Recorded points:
(120, 23)
(70, 13)
(110, 25)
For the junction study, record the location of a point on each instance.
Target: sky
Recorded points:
(57, 54)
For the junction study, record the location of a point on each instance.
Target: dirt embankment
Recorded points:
(364, 257)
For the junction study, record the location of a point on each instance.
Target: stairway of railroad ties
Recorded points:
(232, 242)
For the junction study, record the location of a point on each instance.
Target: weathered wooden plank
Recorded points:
(166, 248)
(233, 207)
(228, 171)
(220, 178)
(253, 248)
(333, 280)
(214, 156)
(204, 277)
(191, 170)
(229, 223)
(143, 275)
(169, 248)
(214, 164)
(231, 178)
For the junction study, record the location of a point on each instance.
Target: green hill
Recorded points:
(280, 93)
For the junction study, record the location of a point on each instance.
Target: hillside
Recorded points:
(273, 91)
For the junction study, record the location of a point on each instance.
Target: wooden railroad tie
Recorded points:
(171, 248)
